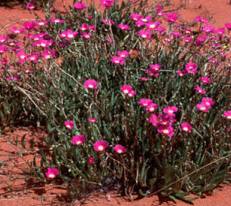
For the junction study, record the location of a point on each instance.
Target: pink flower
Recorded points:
(166, 130)
(119, 149)
(144, 102)
(145, 34)
(91, 160)
(202, 107)
(100, 145)
(135, 16)
(69, 34)
(107, 3)
(154, 120)
(228, 26)
(79, 6)
(78, 139)
(91, 120)
(123, 53)
(205, 80)
(30, 6)
(191, 68)
(208, 101)
(227, 114)
(170, 110)
(52, 172)
(180, 73)
(123, 27)
(199, 90)
(3, 38)
(118, 60)
(127, 89)
(171, 17)
(69, 124)
(90, 84)
(152, 25)
(151, 107)
(186, 127)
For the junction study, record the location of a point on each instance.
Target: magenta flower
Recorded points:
(208, 101)
(205, 80)
(78, 139)
(152, 25)
(126, 88)
(191, 68)
(135, 16)
(107, 3)
(118, 60)
(144, 102)
(48, 54)
(3, 38)
(123, 53)
(145, 34)
(86, 35)
(91, 160)
(154, 120)
(166, 130)
(30, 6)
(123, 27)
(228, 26)
(52, 172)
(119, 149)
(79, 6)
(180, 73)
(151, 107)
(100, 145)
(199, 90)
(170, 110)
(171, 17)
(153, 70)
(202, 107)
(69, 124)
(186, 127)
(69, 34)
(90, 84)
(227, 114)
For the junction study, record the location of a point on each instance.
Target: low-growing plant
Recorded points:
(131, 97)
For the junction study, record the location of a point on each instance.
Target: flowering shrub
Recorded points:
(128, 98)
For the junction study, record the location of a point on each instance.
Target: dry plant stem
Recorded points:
(191, 173)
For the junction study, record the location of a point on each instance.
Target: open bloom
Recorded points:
(79, 6)
(186, 127)
(170, 110)
(119, 149)
(166, 130)
(191, 68)
(69, 124)
(127, 89)
(78, 139)
(144, 102)
(100, 145)
(205, 80)
(90, 84)
(199, 90)
(205, 105)
(118, 60)
(227, 114)
(52, 172)
(107, 3)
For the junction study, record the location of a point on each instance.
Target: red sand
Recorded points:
(12, 166)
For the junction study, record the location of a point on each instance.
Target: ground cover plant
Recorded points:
(132, 97)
